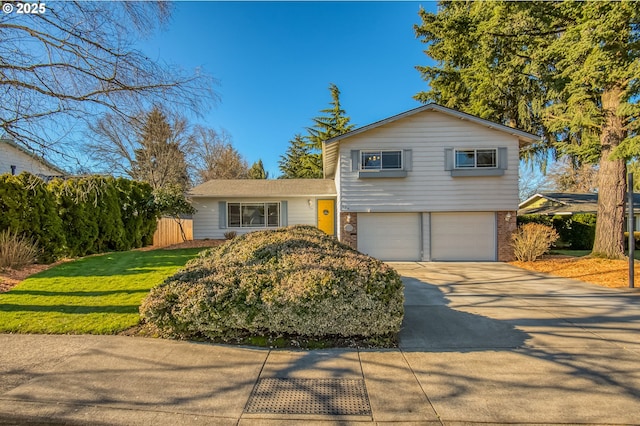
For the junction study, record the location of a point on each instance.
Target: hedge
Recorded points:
(29, 209)
(78, 216)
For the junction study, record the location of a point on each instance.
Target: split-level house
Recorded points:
(429, 184)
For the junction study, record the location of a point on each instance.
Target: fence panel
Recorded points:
(168, 232)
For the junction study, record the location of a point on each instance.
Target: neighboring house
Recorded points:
(428, 184)
(568, 204)
(14, 160)
(245, 205)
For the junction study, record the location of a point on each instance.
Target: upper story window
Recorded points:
(381, 160)
(253, 215)
(476, 158)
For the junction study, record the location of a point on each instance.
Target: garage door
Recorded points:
(389, 236)
(463, 236)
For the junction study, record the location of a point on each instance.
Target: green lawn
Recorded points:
(93, 295)
(574, 253)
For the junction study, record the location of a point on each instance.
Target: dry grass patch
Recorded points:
(603, 272)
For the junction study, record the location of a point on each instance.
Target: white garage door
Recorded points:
(463, 236)
(389, 236)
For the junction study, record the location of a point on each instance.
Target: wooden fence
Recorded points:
(168, 232)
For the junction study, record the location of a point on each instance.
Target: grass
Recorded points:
(93, 295)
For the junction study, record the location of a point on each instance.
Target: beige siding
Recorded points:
(428, 187)
(11, 156)
(301, 211)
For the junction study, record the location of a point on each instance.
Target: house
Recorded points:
(568, 204)
(245, 205)
(14, 160)
(431, 183)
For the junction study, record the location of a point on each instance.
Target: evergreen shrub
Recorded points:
(29, 209)
(289, 281)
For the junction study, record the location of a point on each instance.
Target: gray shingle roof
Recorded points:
(565, 203)
(236, 188)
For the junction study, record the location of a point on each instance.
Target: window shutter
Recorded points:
(448, 158)
(406, 161)
(355, 160)
(284, 213)
(503, 160)
(222, 214)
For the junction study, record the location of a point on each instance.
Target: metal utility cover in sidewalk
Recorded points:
(340, 397)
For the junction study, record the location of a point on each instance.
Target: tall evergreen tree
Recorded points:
(295, 163)
(256, 171)
(332, 123)
(568, 71)
(304, 155)
(159, 160)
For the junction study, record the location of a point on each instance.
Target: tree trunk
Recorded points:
(609, 240)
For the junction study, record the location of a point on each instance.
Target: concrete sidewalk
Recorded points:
(481, 343)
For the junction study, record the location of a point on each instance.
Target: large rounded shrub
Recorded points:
(290, 281)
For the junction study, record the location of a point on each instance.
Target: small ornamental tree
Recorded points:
(171, 202)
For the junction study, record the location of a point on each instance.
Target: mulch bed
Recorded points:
(602, 272)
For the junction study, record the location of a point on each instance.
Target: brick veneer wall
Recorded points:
(506, 228)
(350, 238)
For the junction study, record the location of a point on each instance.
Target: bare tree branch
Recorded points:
(61, 69)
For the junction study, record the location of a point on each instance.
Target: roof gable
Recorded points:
(330, 147)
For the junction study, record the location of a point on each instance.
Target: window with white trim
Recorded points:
(381, 160)
(253, 215)
(476, 158)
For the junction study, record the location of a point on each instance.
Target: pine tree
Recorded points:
(567, 71)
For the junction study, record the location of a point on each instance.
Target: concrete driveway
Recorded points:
(481, 343)
(493, 343)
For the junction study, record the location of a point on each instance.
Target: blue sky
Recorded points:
(274, 62)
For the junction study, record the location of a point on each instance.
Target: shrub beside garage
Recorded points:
(294, 281)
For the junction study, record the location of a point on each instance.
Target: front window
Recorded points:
(253, 215)
(476, 158)
(381, 160)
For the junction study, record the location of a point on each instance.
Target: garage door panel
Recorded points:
(463, 236)
(389, 236)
